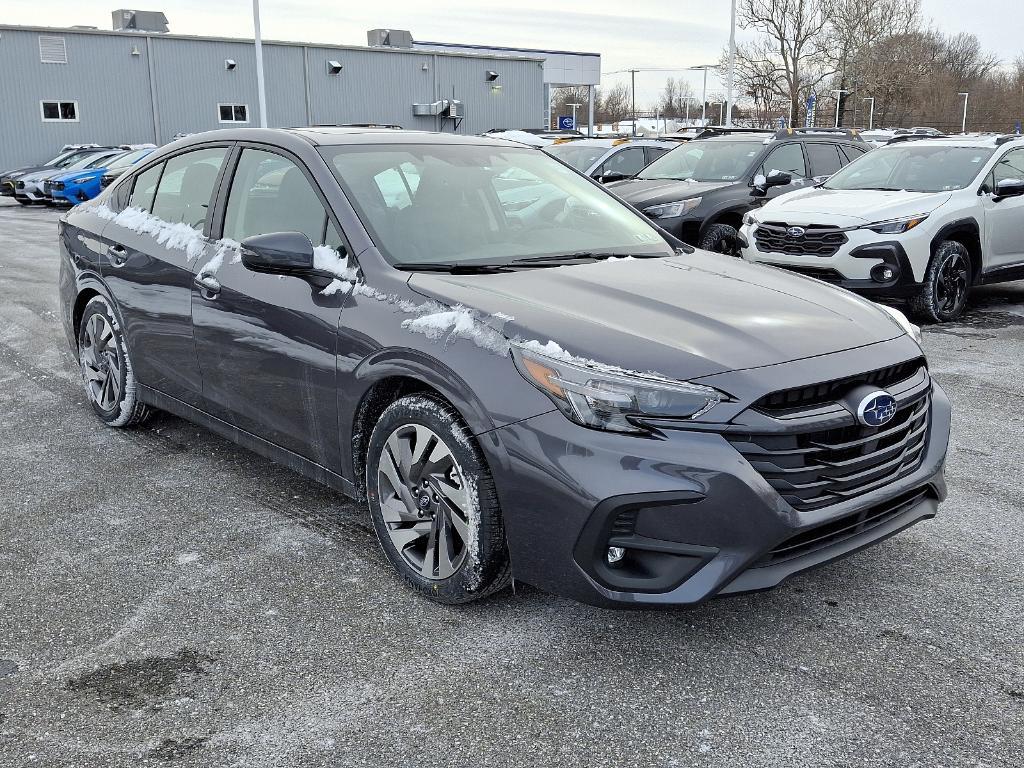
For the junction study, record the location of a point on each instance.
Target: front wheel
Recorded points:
(721, 238)
(946, 285)
(433, 504)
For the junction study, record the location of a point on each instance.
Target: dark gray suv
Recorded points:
(520, 375)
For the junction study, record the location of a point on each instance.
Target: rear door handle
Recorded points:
(118, 255)
(209, 286)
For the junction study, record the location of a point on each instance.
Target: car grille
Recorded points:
(818, 273)
(773, 237)
(55, 185)
(811, 470)
(836, 531)
(830, 391)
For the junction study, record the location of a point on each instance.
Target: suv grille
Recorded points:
(831, 391)
(773, 237)
(811, 470)
(835, 531)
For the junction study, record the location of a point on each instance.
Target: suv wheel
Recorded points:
(106, 367)
(720, 238)
(947, 283)
(433, 503)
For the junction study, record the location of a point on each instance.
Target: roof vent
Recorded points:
(52, 50)
(389, 38)
(126, 20)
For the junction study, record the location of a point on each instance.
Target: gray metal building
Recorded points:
(72, 85)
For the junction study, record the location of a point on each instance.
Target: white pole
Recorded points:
(704, 100)
(871, 115)
(688, 107)
(260, 87)
(732, 63)
(963, 126)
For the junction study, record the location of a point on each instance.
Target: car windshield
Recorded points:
(705, 161)
(913, 168)
(102, 161)
(453, 204)
(580, 157)
(63, 156)
(129, 158)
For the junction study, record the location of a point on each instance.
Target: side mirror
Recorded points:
(1009, 188)
(761, 183)
(610, 176)
(278, 253)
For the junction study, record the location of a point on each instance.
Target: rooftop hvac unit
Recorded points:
(389, 38)
(139, 21)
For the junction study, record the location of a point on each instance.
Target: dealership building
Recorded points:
(139, 84)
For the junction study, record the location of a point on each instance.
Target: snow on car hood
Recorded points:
(685, 316)
(848, 207)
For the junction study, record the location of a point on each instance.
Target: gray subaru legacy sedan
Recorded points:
(521, 376)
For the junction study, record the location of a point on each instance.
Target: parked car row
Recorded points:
(75, 175)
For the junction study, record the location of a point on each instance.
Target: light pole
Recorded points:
(963, 125)
(704, 93)
(839, 100)
(871, 115)
(573, 113)
(732, 63)
(260, 87)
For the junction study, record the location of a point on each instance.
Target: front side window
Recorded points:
(270, 193)
(705, 161)
(59, 111)
(580, 156)
(913, 168)
(1011, 166)
(186, 186)
(824, 158)
(484, 204)
(628, 162)
(233, 113)
(788, 158)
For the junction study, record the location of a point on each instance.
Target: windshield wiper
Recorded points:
(581, 256)
(452, 269)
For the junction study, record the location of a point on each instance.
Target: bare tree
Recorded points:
(615, 104)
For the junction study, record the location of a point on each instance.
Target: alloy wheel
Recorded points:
(424, 501)
(951, 288)
(101, 366)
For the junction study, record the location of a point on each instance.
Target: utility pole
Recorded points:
(260, 86)
(963, 126)
(732, 64)
(632, 93)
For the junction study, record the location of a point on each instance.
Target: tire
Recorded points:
(946, 286)
(441, 528)
(720, 238)
(106, 368)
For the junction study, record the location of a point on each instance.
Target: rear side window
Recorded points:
(788, 158)
(145, 188)
(653, 153)
(824, 158)
(270, 193)
(187, 186)
(852, 153)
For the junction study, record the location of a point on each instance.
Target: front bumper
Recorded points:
(30, 190)
(696, 518)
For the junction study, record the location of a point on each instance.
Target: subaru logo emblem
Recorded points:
(877, 409)
(796, 231)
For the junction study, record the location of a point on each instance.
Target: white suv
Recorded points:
(921, 219)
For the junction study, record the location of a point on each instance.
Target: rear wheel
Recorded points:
(720, 238)
(433, 504)
(946, 286)
(106, 367)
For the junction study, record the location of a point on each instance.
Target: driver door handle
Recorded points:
(118, 255)
(209, 286)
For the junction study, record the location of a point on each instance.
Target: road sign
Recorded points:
(566, 122)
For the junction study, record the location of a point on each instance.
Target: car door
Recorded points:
(149, 266)
(267, 344)
(787, 158)
(1004, 219)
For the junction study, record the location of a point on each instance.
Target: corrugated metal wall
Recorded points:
(115, 93)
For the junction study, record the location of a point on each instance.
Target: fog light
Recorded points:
(615, 554)
(884, 273)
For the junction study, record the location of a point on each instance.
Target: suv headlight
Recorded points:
(749, 220)
(608, 399)
(903, 322)
(896, 226)
(672, 210)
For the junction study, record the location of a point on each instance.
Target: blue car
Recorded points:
(74, 187)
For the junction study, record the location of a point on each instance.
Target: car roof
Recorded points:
(956, 141)
(339, 136)
(610, 142)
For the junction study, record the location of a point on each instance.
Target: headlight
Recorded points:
(81, 180)
(748, 219)
(672, 210)
(896, 226)
(606, 399)
(901, 320)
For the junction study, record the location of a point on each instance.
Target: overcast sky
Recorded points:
(627, 33)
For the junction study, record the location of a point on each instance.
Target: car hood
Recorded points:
(642, 193)
(66, 175)
(825, 206)
(42, 175)
(23, 171)
(684, 317)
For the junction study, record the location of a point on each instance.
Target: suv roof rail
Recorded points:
(913, 137)
(1000, 140)
(850, 133)
(723, 130)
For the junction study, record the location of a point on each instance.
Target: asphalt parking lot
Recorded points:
(167, 598)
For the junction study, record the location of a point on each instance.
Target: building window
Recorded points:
(52, 50)
(59, 111)
(233, 113)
